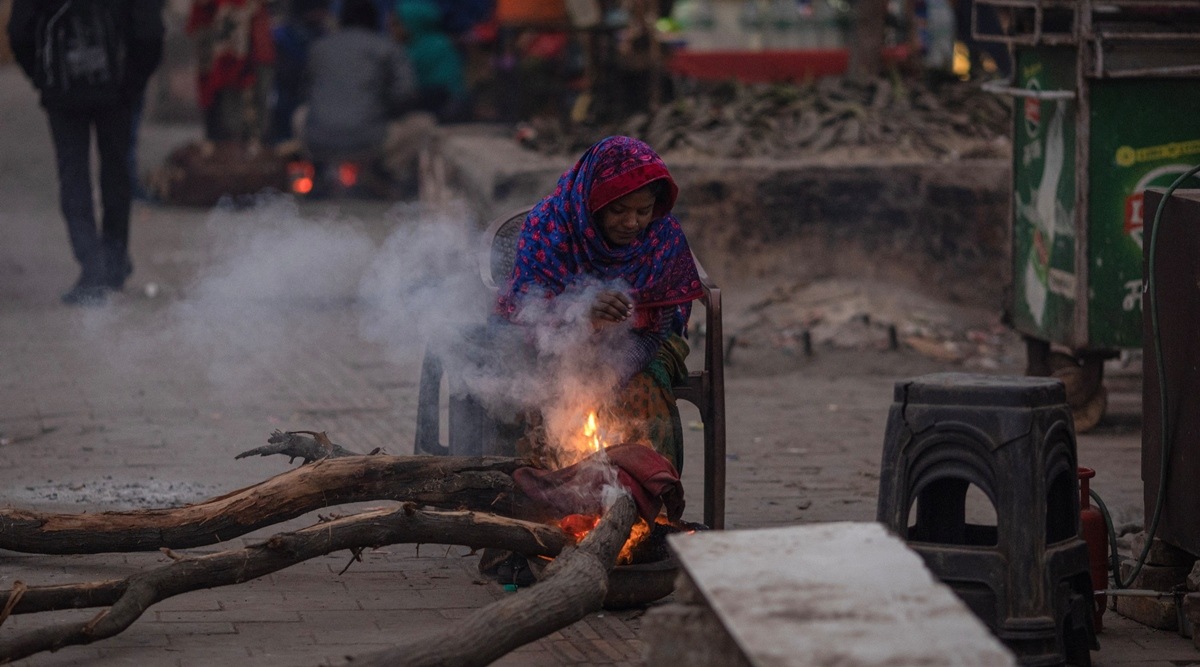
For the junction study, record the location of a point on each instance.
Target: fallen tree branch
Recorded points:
(296, 446)
(130, 597)
(573, 586)
(474, 483)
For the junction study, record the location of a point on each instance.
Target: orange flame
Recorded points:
(301, 175)
(637, 533)
(347, 174)
(579, 525)
(592, 432)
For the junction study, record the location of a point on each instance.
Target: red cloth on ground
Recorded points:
(647, 475)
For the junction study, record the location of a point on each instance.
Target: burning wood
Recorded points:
(605, 492)
(646, 543)
(574, 586)
(125, 600)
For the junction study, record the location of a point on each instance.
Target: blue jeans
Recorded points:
(103, 254)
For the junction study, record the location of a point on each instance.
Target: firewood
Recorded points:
(130, 597)
(294, 445)
(573, 586)
(476, 483)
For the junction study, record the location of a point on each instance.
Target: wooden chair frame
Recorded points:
(472, 433)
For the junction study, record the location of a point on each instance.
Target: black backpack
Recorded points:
(80, 55)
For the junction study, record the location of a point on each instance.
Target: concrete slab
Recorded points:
(839, 593)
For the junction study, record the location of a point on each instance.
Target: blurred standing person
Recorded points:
(91, 59)
(362, 97)
(306, 22)
(441, 79)
(235, 55)
(139, 105)
(382, 7)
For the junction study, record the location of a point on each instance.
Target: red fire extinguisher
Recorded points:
(1095, 534)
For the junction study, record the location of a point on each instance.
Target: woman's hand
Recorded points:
(610, 308)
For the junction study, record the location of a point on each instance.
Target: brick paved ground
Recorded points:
(145, 403)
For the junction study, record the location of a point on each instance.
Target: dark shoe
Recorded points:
(117, 270)
(141, 194)
(85, 294)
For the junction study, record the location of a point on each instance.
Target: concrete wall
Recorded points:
(941, 228)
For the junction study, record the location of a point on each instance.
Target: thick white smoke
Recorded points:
(411, 285)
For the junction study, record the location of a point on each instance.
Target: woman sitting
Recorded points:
(604, 251)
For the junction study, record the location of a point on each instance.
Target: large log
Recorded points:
(572, 587)
(130, 597)
(473, 483)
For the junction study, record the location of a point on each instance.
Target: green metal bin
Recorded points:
(1106, 102)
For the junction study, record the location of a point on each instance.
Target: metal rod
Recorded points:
(1175, 70)
(1137, 593)
(1028, 4)
(1118, 35)
(1140, 4)
(999, 89)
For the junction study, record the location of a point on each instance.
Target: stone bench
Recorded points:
(823, 594)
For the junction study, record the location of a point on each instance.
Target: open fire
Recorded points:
(645, 544)
(579, 525)
(590, 441)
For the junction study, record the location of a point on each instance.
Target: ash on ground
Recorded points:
(111, 494)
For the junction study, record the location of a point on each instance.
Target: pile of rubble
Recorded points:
(802, 318)
(890, 117)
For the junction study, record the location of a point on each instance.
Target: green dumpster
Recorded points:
(1106, 103)
(1077, 209)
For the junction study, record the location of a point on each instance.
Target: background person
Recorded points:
(361, 96)
(234, 60)
(90, 60)
(436, 60)
(306, 22)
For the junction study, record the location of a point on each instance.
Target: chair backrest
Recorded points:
(499, 249)
(704, 388)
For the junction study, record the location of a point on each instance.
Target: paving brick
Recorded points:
(446, 597)
(567, 651)
(266, 614)
(72, 656)
(529, 658)
(307, 600)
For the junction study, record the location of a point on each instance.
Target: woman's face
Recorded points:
(622, 220)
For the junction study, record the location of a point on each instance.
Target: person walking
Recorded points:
(90, 60)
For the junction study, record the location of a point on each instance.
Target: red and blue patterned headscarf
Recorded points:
(560, 243)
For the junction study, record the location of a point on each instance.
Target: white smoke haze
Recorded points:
(597, 482)
(553, 361)
(269, 265)
(423, 284)
(424, 290)
(269, 268)
(613, 491)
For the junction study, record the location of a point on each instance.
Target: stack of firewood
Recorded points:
(909, 116)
